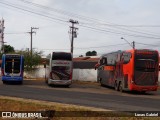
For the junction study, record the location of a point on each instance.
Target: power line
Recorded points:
(88, 18)
(98, 29)
(71, 14)
(147, 44)
(16, 33)
(102, 46)
(57, 19)
(89, 47)
(120, 33)
(124, 29)
(121, 25)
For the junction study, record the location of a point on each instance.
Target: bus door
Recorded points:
(102, 73)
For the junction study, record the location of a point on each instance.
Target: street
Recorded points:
(89, 94)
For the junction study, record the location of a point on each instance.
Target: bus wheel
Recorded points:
(4, 82)
(21, 82)
(100, 80)
(143, 92)
(46, 81)
(67, 86)
(120, 87)
(116, 87)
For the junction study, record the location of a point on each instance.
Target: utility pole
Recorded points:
(73, 32)
(2, 35)
(133, 44)
(32, 28)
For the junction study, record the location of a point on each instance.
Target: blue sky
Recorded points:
(101, 23)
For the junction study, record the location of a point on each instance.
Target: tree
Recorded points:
(89, 53)
(93, 53)
(81, 56)
(31, 62)
(8, 49)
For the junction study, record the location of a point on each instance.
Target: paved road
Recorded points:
(92, 95)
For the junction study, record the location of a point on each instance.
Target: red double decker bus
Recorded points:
(130, 70)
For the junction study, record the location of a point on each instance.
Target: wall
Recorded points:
(78, 74)
(85, 74)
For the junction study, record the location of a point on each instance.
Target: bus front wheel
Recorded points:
(100, 80)
(21, 82)
(4, 82)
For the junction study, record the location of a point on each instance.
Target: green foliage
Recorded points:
(8, 49)
(30, 62)
(93, 53)
(33, 61)
(88, 53)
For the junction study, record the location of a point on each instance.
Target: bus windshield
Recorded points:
(62, 56)
(146, 62)
(12, 64)
(147, 65)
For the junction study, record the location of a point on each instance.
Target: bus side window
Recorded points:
(104, 61)
(118, 58)
(126, 57)
(101, 62)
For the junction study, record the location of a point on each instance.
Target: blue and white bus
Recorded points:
(59, 71)
(12, 68)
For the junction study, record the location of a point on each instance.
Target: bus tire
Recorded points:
(143, 92)
(4, 82)
(67, 86)
(21, 82)
(120, 87)
(50, 85)
(46, 81)
(100, 80)
(116, 86)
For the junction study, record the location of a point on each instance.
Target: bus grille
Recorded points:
(145, 78)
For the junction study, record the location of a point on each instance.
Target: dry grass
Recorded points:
(18, 104)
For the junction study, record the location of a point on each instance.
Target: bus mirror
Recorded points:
(96, 66)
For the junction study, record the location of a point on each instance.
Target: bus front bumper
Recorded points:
(10, 78)
(59, 82)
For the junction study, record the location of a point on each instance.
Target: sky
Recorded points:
(102, 24)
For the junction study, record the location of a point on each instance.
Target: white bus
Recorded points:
(59, 71)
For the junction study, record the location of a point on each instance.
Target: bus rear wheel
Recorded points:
(116, 86)
(120, 87)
